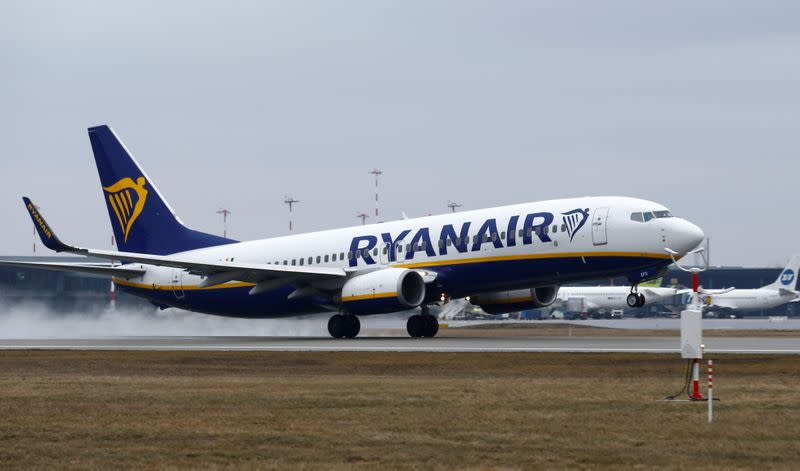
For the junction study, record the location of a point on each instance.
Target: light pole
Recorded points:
(290, 202)
(376, 172)
(225, 214)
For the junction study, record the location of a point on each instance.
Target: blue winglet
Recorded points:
(49, 238)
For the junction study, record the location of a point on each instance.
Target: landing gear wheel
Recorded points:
(633, 300)
(640, 301)
(415, 326)
(431, 326)
(337, 326)
(353, 326)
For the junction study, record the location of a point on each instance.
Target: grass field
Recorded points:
(72, 409)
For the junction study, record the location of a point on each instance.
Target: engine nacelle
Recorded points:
(382, 291)
(501, 302)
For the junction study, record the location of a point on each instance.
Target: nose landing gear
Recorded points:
(635, 299)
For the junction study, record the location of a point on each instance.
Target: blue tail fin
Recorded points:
(142, 220)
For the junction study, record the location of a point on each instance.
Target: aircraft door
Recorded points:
(177, 283)
(384, 253)
(599, 232)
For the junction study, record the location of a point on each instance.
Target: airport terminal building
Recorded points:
(75, 292)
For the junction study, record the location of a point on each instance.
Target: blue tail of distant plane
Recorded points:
(142, 220)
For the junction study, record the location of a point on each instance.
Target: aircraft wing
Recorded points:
(97, 269)
(217, 271)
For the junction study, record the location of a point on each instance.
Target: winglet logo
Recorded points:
(574, 220)
(42, 225)
(787, 277)
(127, 198)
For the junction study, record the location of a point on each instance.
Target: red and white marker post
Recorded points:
(710, 391)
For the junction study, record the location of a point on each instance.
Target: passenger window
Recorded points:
(555, 229)
(528, 232)
(563, 228)
(637, 217)
(648, 216)
(408, 248)
(301, 261)
(319, 259)
(294, 261)
(520, 232)
(327, 257)
(285, 262)
(341, 255)
(310, 260)
(494, 236)
(441, 243)
(350, 255)
(546, 229)
(450, 242)
(458, 241)
(503, 235)
(375, 252)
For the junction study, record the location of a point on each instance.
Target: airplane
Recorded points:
(372, 269)
(608, 298)
(731, 301)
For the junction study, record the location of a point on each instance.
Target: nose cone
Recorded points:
(685, 236)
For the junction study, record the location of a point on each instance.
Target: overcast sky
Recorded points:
(695, 105)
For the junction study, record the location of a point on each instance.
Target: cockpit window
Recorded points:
(648, 216)
(662, 214)
(637, 217)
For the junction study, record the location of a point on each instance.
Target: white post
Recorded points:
(710, 391)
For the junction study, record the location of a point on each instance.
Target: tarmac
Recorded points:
(776, 345)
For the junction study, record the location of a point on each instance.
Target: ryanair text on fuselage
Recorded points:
(533, 224)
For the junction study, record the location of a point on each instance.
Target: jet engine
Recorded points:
(501, 302)
(382, 291)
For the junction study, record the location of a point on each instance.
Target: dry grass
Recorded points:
(71, 409)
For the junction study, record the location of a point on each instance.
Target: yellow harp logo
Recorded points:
(127, 200)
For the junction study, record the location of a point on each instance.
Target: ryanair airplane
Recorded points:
(484, 255)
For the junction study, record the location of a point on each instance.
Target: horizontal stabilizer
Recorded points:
(97, 269)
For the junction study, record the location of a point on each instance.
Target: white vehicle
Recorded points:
(373, 269)
(592, 299)
(732, 301)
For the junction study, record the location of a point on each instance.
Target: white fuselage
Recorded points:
(510, 247)
(596, 298)
(748, 299)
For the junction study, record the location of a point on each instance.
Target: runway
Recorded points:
(404, 344)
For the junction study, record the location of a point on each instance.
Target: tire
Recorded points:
(632, 300)
(337, 326)
(415, 326)
(353, 326)
(431, 326)
(640, 300)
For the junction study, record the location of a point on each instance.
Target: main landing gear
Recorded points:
(635, 299)
(423, 325)
(341, 326)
